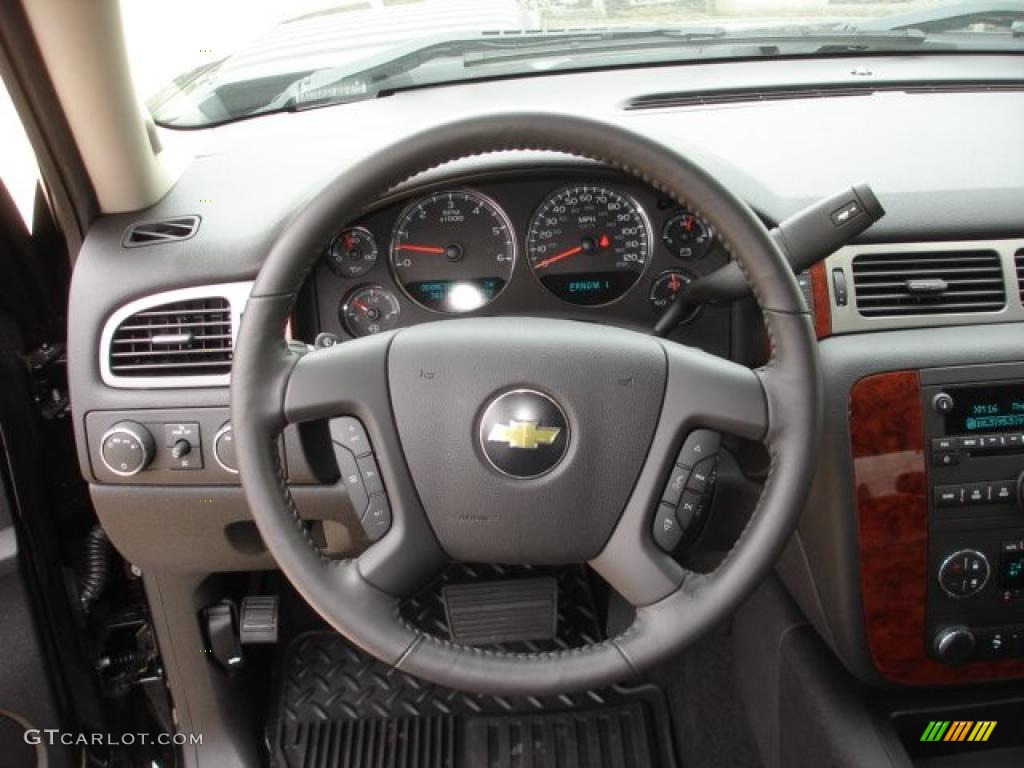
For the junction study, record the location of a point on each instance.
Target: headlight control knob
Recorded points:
(127, 448)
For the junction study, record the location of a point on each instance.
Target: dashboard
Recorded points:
(525, 233)
(587, 246)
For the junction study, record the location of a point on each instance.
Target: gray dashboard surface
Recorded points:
(946, 165)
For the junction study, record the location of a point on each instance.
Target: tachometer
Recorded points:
(589, 245)
(453, 251)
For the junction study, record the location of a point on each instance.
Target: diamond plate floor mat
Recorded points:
(340, 707)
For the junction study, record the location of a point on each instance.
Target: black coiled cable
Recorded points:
(95, 567)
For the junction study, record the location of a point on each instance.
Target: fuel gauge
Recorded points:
(369, 310)
(687, 236)
(667, 285)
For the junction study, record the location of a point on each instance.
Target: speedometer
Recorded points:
(589, 245)
(453, 251)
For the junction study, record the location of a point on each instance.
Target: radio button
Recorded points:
(992, 442)
(945, 459)
(970, 443)
(949, 495)
(977, 493)
(1003, 492)
(1015, 440)
(944, 444)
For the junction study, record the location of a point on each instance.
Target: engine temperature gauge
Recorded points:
(369, 310)
(687, 236)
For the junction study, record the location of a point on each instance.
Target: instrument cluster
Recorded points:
(531, 244)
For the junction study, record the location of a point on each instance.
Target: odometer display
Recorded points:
(453, 251)
(588, 245)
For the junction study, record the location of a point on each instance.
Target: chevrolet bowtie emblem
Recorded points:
(523, 434)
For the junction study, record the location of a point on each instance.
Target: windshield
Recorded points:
(198, 63)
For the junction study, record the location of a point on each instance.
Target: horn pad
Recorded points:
(524, 437)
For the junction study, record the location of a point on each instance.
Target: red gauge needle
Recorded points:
(559, 257)
(422, 248)
(360, 305)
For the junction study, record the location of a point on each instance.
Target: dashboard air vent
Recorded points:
(1018, 259)
(184, 338)
(928, 283)
(168, 230)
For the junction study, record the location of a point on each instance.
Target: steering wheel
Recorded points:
(614, 405)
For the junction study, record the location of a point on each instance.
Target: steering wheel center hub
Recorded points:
(524, 434)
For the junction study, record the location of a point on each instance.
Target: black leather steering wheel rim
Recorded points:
(272, 386)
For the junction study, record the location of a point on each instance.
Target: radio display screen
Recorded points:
(986, 409)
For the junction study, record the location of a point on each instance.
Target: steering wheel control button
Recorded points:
(667, 531)
(700, 476)
(224, 449)
(370, 474)
(349, 432)
(377, 520)
(127, 448)
(676, 485)
(524, 434)
(352, 479)
(689, 507)
(699, 444)
(964, 573)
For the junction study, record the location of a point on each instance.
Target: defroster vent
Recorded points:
(190, 337)
(928, 283)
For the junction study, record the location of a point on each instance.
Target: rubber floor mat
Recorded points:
(340, 707)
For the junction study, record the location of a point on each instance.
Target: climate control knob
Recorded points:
(127, 448)
(964, 573)
(954, 645)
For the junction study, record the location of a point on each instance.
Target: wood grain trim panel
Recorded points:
(887, 433)
(822, 303)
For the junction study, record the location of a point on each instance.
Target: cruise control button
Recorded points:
(348, 431)
(701, 475)
(377, 520)
(675, 486)
(371, 475)
(698, 445)
(667, 531)
(949, 495)
(352, 479)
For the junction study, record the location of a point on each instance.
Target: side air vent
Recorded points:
(176, 339)
(928, 283)
(168, 230)
(1018, 259)
(786, 93)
